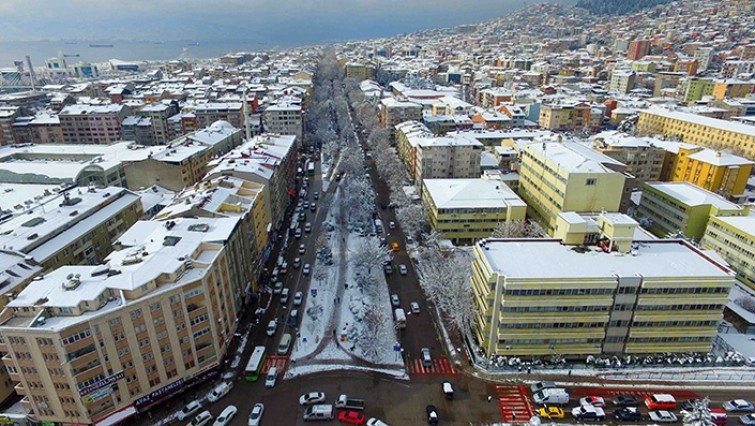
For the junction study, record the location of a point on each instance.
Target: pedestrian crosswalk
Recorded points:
(514, 403)
(279, 361)
(441, 366)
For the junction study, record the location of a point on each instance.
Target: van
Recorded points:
(551, 396)
(400, 318)
(284, 344)
(272, 376)
(319, 412)
(660, 401)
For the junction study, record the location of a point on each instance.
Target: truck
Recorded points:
(400, 318)
(347, 403)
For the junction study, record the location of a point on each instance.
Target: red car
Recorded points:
(351, 417)
(718, 416)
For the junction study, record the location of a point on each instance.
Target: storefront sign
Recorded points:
(102, 383)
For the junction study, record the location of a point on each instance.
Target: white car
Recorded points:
(308, 227)
(394, 300)
(302, 248)
(271, 327)
(189, 410)
(402, 269)
(595, 401)
(312, 398)
(375, 422)
(284, 296)
(219, 391)
(414, 306)
(306, 269)
(201, 419)
(739, 406)
(391, 225)
(226, 416)
(278, 287)
(298, 298)
(662, 416)
(255, 417)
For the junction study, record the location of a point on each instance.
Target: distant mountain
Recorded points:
(618, 7)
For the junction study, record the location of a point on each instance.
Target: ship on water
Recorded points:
(100, 45)
(74, 55)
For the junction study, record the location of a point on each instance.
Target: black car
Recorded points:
(626, 400)
(432, 415)
(627, 414)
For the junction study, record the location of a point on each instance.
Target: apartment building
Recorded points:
(74, 227)
(283, 119)
(731, 88)
(667, 82)
(94, 343)
(267, 159)
(696, 88)
(732, 69)
(542, 297)
(93, 124)
(158, 114)
(407, 133)
(359, 71)
(704, 55)
(465, 210)
(560, 177)
(668, 208)
(8, 116)
(720, 172)
(456, 156)
(229, 196)
(565, 117)
(205, 114)
(733, 237)
(174, 166)
(40, 128)
(622, 81)
(393, 112)
(699, 130)
(221, 137)
(638, 49)
(644, 160)
(138, 129)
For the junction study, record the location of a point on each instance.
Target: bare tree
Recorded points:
(370, 253)
(412, 218)
(375, 331)
(445, 279)
(359, 200)
(518, 229)
(699, 415)
(747, 302)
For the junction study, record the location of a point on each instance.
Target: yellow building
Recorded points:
(394, 111)
(733, 237)
(359, 71)
(572, 116)
(644, 160)
(732, 88)
(720, 172)
(696, 88)
(541, 297)
(85, 343)
(699, 130)
(561, 177)
(465, 210)
(672, 207)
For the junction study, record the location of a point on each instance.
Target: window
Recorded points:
(591, 181)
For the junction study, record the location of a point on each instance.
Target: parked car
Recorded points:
(626, 400)
(189, 410)
(660, 401)
(375, 422)
(284, 296)
(402, 269)
(388, 268)
(739, 406)
(537, 387)
(306, 269)
(225, 416)
(432, 415)
(219, 391)
(312, 398)
(551, 412)
(662, 416)
(306, 204)
(351, 417)
(298, 298)
(627, 414)
(255, 417)
(201, 419)
(718, 416)
(414, 306)
(747, 419)
(278, 287)
(395, 301)
(588, 412)
(595, 401)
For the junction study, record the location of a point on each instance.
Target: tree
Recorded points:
(747, 302)
(518, 229)
(375, 331)
(359, 200)
(370, 253)
(445, 279)
(699, 415)
(412, 218)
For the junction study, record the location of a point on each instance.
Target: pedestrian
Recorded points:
(513, 416)
(490, 398)
(529, 370)
(570, 372)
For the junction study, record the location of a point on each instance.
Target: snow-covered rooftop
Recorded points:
(471, 194)
(549, 259)
(730, 126)
(692, 195)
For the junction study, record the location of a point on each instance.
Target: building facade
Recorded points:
(93, 124)
(733, 237)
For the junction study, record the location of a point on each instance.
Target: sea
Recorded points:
(126, 50)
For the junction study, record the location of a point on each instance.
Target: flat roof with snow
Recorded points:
(471, 194)
(691, 195)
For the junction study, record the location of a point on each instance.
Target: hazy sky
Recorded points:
(283, 21)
